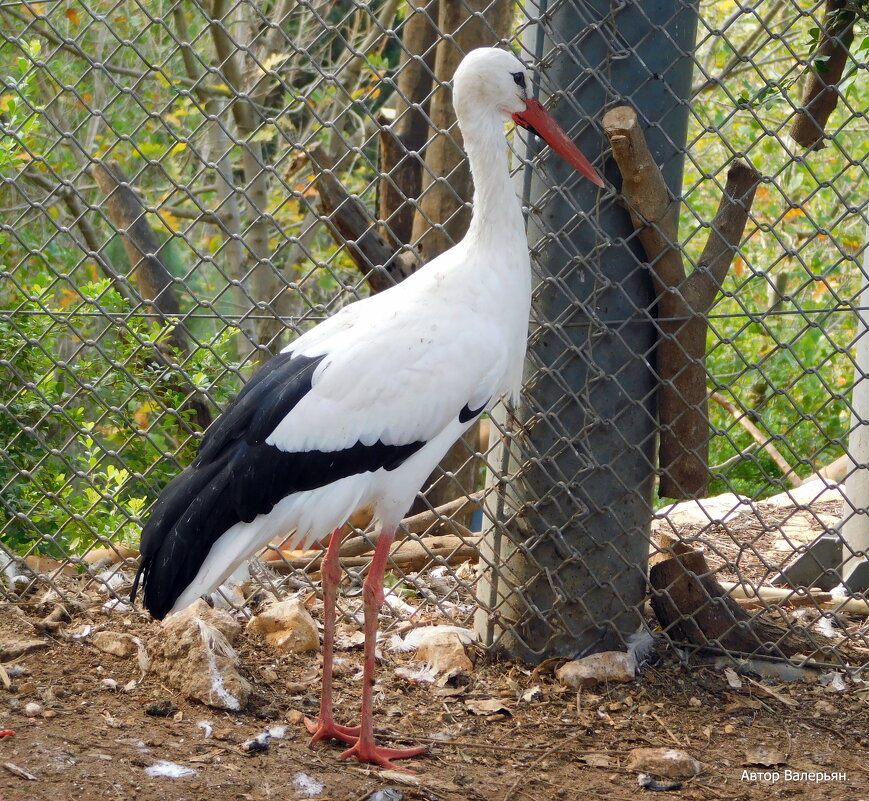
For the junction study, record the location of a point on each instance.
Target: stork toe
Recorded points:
(381, 755)
(329, 730)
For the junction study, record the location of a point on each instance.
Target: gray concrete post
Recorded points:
(570, 536)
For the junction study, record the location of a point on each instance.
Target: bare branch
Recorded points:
(759, 437)
(742, 54)
(351, 225)
(88, 232)
(155, 282)
(72, 47)
(403, 141)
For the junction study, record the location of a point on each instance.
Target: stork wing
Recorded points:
(355, 396)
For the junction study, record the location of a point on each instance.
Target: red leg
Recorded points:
(325, 728)
(366, 749)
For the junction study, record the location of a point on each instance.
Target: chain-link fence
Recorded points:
(187, 186)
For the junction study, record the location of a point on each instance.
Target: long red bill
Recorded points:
(537, 119)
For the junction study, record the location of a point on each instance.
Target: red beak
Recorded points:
(537, 119)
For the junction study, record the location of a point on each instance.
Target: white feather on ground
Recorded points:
(216, 644)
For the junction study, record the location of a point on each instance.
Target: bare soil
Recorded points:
(90, 742)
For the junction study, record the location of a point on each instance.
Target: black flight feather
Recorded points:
(236, 476)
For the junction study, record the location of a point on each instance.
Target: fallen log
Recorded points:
(363, 543)
(694, 609)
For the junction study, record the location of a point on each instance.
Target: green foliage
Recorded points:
(84, 447)
(781, 331)
(93, 422)
(21, 119)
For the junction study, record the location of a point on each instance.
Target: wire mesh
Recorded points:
(186, 187)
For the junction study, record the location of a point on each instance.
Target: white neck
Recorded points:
(497, 215)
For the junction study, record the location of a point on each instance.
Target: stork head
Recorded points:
(494, 80)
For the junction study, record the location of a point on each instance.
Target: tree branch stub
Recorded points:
(683, 300)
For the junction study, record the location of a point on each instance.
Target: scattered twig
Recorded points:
(764, 441)
(666, 728)
(772, 693)
(52, 621)
(20, 772)
(557, 746)
(783, 596)
(461, 743)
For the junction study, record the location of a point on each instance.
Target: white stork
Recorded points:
(358, 411)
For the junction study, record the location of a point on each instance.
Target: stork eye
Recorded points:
(519, 78)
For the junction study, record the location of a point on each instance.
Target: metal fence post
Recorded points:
(855, 524)
(577, 503)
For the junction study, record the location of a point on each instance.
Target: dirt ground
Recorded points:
(89, 741)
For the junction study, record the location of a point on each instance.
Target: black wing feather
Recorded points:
(236, 476)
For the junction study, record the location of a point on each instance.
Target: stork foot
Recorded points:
(329, 730)
(381, 755)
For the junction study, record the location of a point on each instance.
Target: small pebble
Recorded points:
(729, 728)
(257, 744)
(161, 709)
(295, 716)
(32, 709)
(109, 684)
(389, 794)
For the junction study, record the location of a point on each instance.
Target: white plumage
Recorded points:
(360, 410)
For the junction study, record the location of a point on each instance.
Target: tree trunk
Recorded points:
(401, 166)
(446, 193)
(265, 286)
(446, 185)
